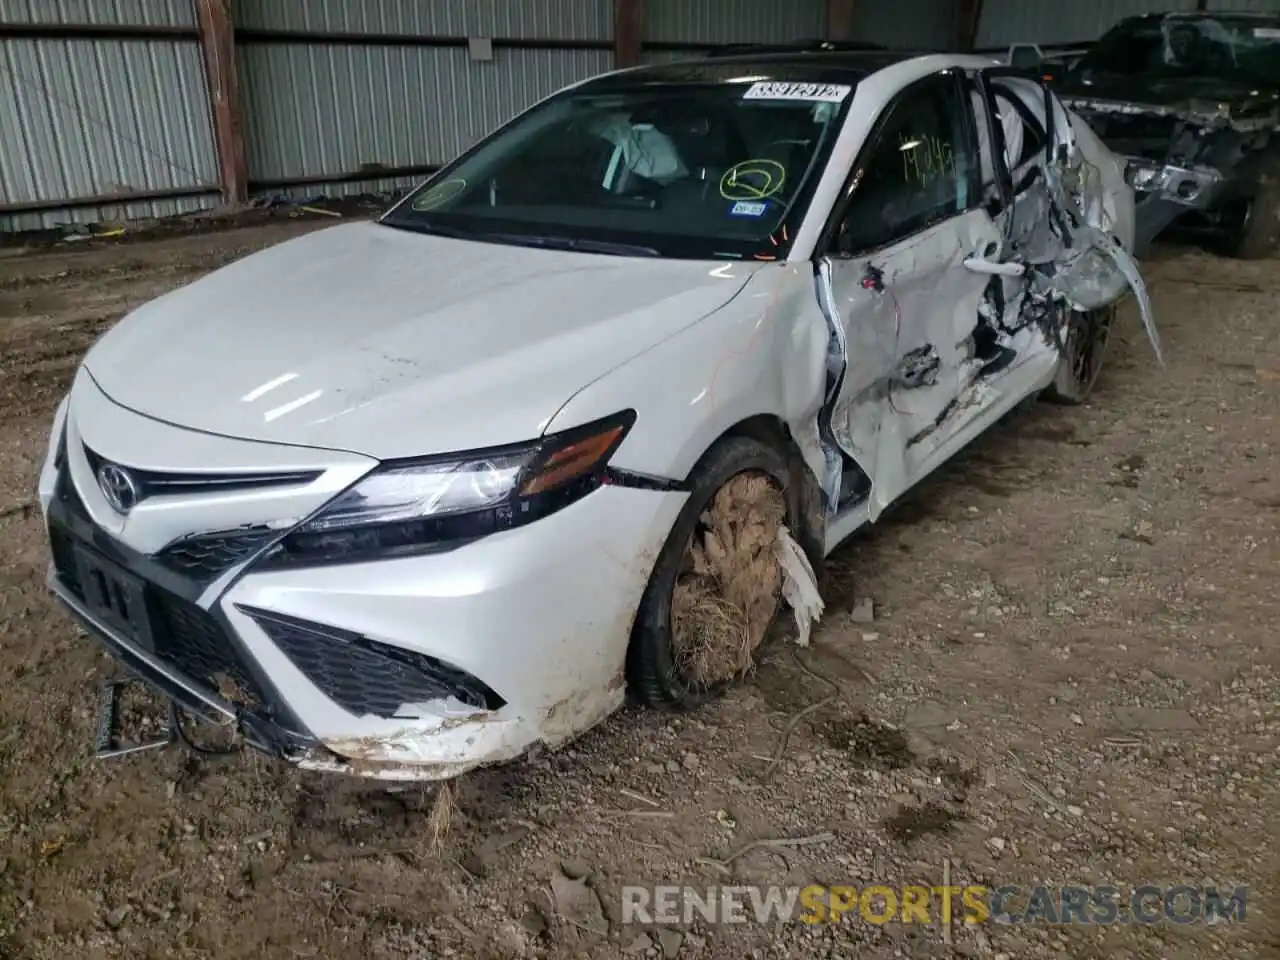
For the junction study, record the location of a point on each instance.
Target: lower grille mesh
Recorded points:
(365, 677)
(196, 644)
(186, 637)
(206, 557)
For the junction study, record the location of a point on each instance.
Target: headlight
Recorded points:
(404, 508)
(1144, 176)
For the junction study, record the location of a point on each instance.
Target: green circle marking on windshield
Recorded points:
(753, 180)
(439, 194)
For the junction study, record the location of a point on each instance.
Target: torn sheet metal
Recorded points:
(1066, 224)
(1208, 115)
(799, 585)
(837, 359)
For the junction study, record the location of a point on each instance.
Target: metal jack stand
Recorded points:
(107, 746)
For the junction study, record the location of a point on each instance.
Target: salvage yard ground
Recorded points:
(1070, 676)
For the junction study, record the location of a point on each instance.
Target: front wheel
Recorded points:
(1258, 235)
(717, 585)
(1083, 350)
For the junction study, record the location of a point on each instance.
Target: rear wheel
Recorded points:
(717, 585)
(1082, 355)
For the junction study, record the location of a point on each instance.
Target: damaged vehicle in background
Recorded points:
(1192, 101)
(584, 411)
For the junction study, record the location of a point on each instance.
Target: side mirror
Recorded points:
(1025, 56)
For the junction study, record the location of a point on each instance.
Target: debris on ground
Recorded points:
(577, 903)
(640, 943)
(863, 611)
(669, 941)
(440, 819)
(772, 843)
(800, 715)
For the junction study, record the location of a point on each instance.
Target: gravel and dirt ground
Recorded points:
(1069, 677)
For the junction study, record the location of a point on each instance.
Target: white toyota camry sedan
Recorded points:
(583, 413)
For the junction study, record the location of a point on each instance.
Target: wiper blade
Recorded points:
(525, 239)
(427, 227)
(577, 244)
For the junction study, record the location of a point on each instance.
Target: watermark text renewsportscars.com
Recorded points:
(1006, 904)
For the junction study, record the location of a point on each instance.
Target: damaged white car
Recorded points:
(583, 412)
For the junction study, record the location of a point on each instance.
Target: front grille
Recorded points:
(1135, 135)
(365, 677)
(184, 636)
(151, 483)
(205, 557)
(63, 561)
(189, 638)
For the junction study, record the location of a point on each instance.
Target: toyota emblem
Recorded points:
(118, 487)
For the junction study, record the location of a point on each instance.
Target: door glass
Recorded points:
(918, 171)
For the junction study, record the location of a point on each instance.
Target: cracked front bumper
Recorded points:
(516, 639)
(1165, 192)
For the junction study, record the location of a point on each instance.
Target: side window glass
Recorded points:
(917, 172)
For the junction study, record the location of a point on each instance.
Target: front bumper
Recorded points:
(1166, 192)
(513, 640)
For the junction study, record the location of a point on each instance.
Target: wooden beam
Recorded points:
(217, 41)
(968, 16)
(840, 22)
(628, 32)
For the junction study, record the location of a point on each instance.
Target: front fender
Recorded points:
(763, 353)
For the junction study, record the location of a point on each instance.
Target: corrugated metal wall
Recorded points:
(907, 24)
(331, 109)
(1005, 22)
(901, 24)
(151, 13)
(541, 19)
(1252, 6)
(733, 21)
(89, 118)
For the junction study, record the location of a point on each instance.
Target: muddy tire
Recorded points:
(1082, 356)
(1258, 236)
(716, 587)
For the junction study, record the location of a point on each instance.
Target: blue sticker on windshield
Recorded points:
(749, 208)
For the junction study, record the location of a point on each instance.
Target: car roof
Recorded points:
(1209, 15)
(803, 66)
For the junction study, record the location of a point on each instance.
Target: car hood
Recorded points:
(1194, 98)
(366, 338)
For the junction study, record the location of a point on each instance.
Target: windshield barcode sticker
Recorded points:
(813, 92)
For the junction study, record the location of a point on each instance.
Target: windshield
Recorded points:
(700, 171)
(1245, 49)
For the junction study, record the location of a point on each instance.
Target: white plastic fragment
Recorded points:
(799, 585)
(1131, 273)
